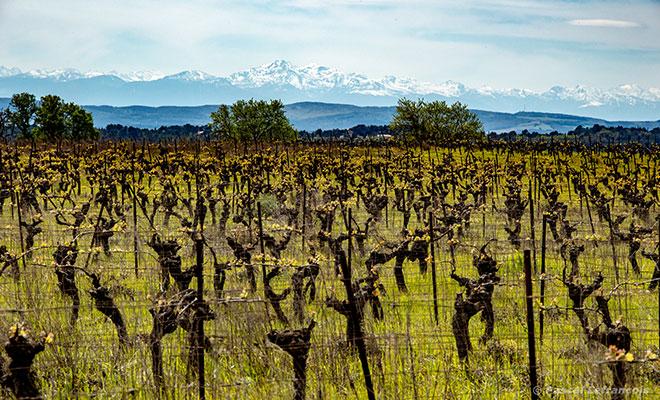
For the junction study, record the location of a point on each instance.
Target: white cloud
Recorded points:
(604, 23)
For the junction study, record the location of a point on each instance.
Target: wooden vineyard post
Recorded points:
(355, 315)
(658, 219)
(304, 212)
(543, 237)
(199, 271)
(452, 253)
(199, 250)
(616, 267)
(531, 224)
(483, 221)
(568, 183)
(135, 227)
(614, 261)
(533, 381)
(591, 220)
(11, 184)
(433, 273)
(404, 208)
(261, 247)
(496, 181)
(263, 258)
(387, 219)
(580, 194)
(20, 228)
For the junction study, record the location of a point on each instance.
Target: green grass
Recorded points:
(410, 355)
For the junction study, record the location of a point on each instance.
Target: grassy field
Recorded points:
(410, 355)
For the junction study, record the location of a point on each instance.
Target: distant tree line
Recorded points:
(187, 131)
(122, 132)
(49, 119)
(358, 131)
(597, 135)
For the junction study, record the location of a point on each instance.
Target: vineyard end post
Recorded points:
(531, 224)
(543, 249)
(433, 273)
(533, 380)
(135, 221)
(199, 250)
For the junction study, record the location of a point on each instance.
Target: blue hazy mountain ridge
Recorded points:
(311, 116)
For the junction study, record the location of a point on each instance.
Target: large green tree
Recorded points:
(409, 120)
(22, 109)
(78, 123)
(252, 121)
(276, 125)
(435, 122)
(465, 125)
(49, 121)
(221, 123)
(245, 120)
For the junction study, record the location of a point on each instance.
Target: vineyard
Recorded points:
(190, 269)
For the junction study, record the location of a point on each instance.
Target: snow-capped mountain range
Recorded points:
(291, 83)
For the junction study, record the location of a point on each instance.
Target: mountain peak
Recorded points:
(278, 72)
(278, 64)
(138, 76)
(191, 75)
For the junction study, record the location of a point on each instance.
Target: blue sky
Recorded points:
(529, 44)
